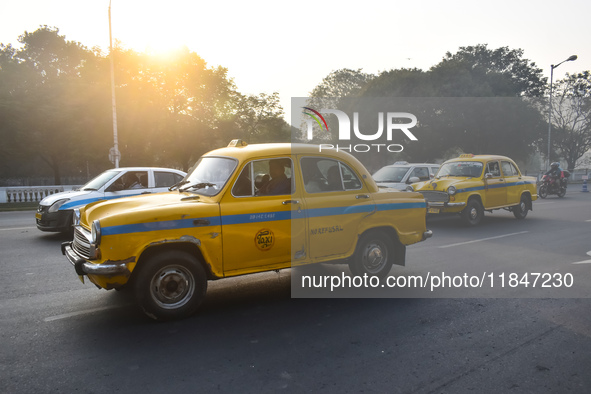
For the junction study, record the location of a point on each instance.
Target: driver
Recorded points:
(279, 183)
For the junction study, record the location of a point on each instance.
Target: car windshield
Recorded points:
(390, 174)
(461, 168)
(100, 180)
(209, 175)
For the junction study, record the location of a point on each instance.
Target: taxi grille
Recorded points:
(433, 196)
(81, 243)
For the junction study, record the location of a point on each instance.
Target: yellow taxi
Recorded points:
(240, 210)
(472, 184)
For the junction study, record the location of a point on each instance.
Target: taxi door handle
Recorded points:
(290, 202)
(201, 222)
(359, 196)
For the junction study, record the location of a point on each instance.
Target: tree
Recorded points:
(342, 83)
(475, 100)
(571, 117)
(260, 117)
(477, 71)
(42, 80)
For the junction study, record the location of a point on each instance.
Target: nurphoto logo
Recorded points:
(344, 130)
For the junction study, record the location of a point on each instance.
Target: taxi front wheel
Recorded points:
(373, 256)
(473, 213)
(170, 285)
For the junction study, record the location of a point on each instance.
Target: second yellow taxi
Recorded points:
(472, 184)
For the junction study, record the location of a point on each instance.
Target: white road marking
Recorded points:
(588, 220)
(482, 239)
(17, 228)
(584, 261)
(84, 312)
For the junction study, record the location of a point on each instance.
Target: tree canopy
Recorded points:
(476, 100)
(55, 106)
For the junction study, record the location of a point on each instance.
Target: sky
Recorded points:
(289, 47)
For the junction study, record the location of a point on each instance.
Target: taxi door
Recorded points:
(495, 190)
(512, 178)
(256, 219)
(336, 201)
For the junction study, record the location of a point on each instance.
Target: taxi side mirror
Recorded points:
(488, 175)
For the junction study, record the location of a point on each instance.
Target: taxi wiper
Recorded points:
(199, 185)
(90, 189)
(177, 185)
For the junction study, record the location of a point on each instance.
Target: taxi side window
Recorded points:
(327, 175)
(420, 172)
(493, 168)
(166, 179)
(265, 178)
(507, 170)
(243, 186)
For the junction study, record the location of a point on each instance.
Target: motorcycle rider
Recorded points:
(555, 174)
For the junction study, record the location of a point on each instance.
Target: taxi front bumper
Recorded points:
(85, 267)
(445, 204)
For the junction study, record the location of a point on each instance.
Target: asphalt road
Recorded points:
(250, 335)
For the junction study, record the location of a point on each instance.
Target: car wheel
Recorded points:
(473, 213)
(543, 191)
(170, 285)
(373, 256)
(520, 211)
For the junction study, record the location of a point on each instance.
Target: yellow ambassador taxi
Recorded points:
(472, 184)
(240, 210)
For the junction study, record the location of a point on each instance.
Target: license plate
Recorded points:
(433, 210)
(38, 216)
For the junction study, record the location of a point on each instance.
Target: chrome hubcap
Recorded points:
(375, 257)
(473, 213)
(172, 287)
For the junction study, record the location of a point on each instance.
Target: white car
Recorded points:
(401, 174)
(55, 211)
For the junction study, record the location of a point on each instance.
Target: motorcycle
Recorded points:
(550, 185)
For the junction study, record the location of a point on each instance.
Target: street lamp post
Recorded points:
(114, 154)
(552, 67)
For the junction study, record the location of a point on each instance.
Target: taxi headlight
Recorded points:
(451, 190)
(56, 205)
(95, 233)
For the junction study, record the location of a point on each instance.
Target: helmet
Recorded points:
(555, 164)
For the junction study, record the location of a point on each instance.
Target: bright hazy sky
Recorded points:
(289, 47)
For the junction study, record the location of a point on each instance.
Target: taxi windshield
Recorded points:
(100, 180)
(209, 175)
(461, 169)
(390, 174)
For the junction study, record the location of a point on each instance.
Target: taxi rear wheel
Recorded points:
(473, 213)
(373, 256)
(520, 211)
(170, 285)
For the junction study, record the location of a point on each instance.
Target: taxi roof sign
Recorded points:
(466, 155)
(237, 143)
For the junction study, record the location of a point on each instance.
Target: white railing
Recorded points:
(30, 193)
